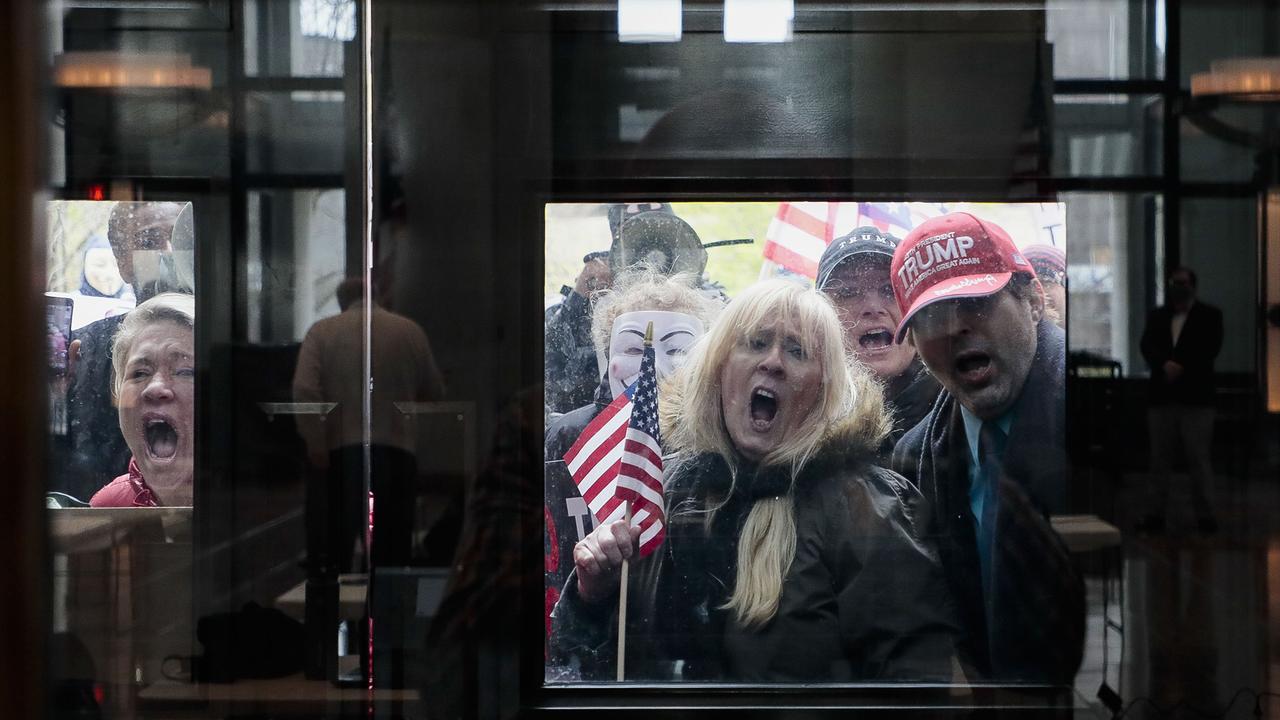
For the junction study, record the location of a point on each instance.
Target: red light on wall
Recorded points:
(97, 192)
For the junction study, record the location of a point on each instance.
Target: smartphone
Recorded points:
(58, 332)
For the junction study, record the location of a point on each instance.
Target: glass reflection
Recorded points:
(329, 370)
(154, 387)
(103, 257)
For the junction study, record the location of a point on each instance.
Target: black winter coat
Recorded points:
(908, 397)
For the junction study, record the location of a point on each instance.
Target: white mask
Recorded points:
(673, 334)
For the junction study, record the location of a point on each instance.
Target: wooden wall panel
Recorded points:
(22, 387)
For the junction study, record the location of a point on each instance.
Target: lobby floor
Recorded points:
(1195, 617)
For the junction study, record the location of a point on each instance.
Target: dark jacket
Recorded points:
(1036, 628)
(909, 397)
(97, 452)
(863, 600)
(566, 517)
(569, 357)
(1198, 346)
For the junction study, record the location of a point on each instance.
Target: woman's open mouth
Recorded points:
(161, 439)
(764, 408)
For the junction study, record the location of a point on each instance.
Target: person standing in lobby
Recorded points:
(1180, 342)
(330, 369)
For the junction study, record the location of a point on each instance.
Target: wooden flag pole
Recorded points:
(622, 612)
(626, 566)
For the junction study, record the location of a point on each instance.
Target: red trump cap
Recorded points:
(950, 257)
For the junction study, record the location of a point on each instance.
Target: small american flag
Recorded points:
(618, 456)
(640, 473)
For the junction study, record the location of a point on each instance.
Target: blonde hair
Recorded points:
(693, 421)
(646, 289)
(176, 308)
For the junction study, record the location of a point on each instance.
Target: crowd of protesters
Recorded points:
(858, 477)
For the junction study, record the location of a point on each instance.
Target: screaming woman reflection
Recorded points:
(789, 556)
(154, 388)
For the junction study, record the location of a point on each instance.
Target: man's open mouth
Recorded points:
(161, 438)
(764, 408)
(875, 339)
(973, 366)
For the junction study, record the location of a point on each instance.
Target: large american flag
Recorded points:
(800, 231)
(618, 457)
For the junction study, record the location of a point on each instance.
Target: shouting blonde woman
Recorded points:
(789, 556)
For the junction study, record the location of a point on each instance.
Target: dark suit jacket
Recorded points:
(1034, 629)
(1197, 347)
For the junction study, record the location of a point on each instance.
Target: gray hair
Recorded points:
(177, 308)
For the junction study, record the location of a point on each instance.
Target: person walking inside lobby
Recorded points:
(331, 369)
(1180, 342)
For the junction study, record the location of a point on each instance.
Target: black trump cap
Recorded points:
(866, 240)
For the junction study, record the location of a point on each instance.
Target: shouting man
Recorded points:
(989, 456)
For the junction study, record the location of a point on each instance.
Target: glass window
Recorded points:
(299, 132)
(1107, 135)
(1108, 263)
(296, 259)
(801, 299)
(1213, 231)
(604, 109)
(1206, 158)
(118, 422)
(297, 38)
(738, 365)
(1106, 39)
(123, 382)
(148, 600)
(1204, 23)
